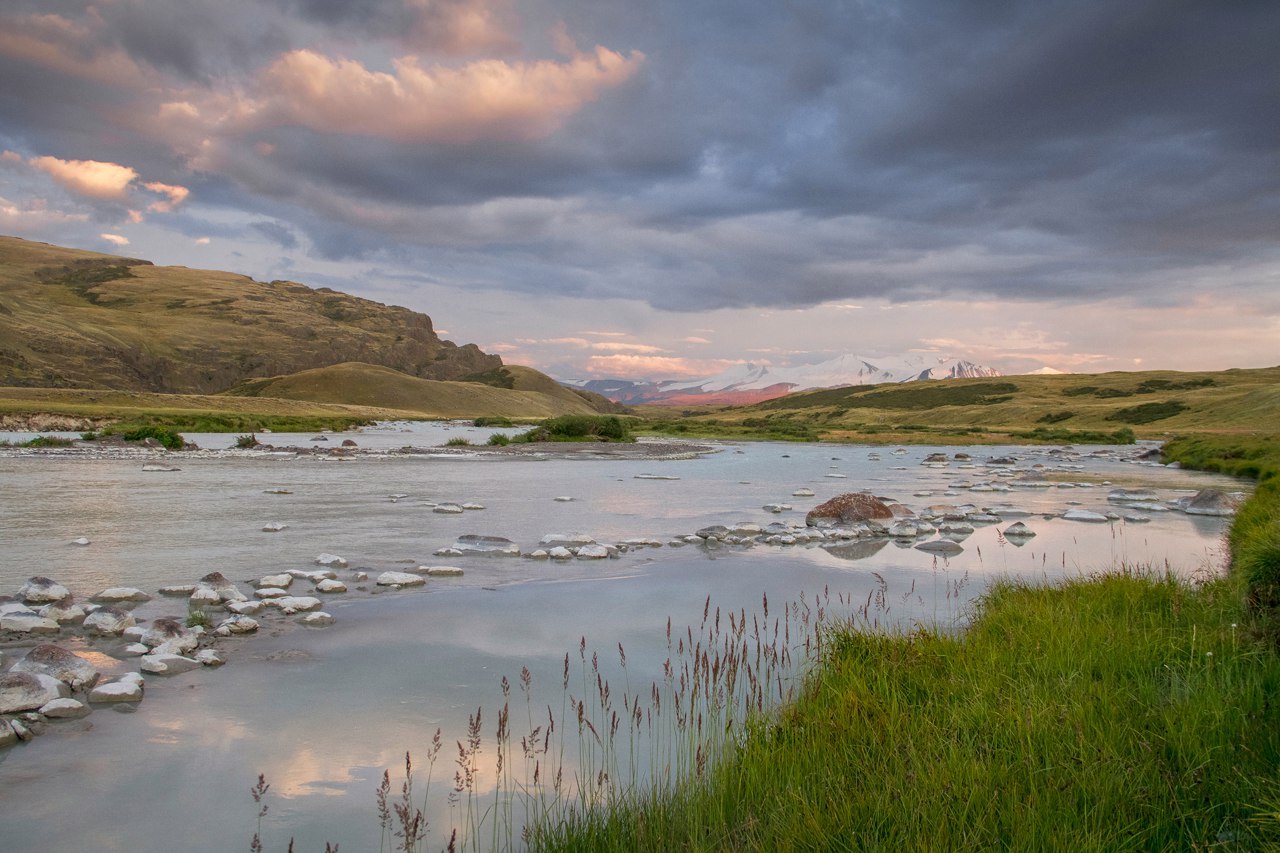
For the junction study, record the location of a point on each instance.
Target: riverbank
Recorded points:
(1129, 710)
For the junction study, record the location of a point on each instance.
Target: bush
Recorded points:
(170, 439)
(499, 440)
(245, 442)
(457, 442)
(580, 427)
(492, 422)
(48, 441)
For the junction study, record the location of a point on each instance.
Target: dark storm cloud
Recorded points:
(764, 154)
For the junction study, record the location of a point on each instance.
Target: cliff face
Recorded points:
(78, 319)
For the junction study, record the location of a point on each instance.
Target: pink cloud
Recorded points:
(92, 178)
(176, 196)
(459, 27)
(648, 366)
(487, 98)
(614, 346)
(115, 239)
(68, 47)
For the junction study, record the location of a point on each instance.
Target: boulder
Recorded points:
(593, 552)
(28, 623)
(329, 585)
(178, 590)
(319, 619)
(41, 590)
(268, 592)
(294, 603)
(560, 553)
(168, 664)
(331, 560)
(280, 581)
(713, 531)
(124, 690)
(120, 594)
(237, 625)
(65, 709)
(7, 735)
(1018, 530)
(110, 620)
(27, 691)
(487, 546)
(568, 540)
(1085, 516)
(399, 579)
(64, 612)
(1211, 502)
(440, 571)
(210, 657)
(55, 661)
(849, 508)
(168, 629)
(227, 591)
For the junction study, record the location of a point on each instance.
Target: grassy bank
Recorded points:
(1125, 711)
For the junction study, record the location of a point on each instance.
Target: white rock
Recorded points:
(273, 527)
(280, 581)
(26, 691)
(802, 493)
(329, 585)
(178, 590)
(1018, 530)
(135, 633)
(593, 552)
(28, 624)
(1084, 515)
(560, 552)
(472, 506)
(319, 619)
(237, 625)
(168, 664)
(564, 499)
(245, 608)
(448, 509)
(331, 560)
(269, 592)
(945, 547)
(489, 546)
(39, 590)
(315, 575)
(134, 650)
(205, 596)
(568, 540)
(294, 603)
(440, 571)
(399, 579)
(65, 709)
(117, 691)
(210, 657)
(117, 594)
(83, 540)
(156, 468)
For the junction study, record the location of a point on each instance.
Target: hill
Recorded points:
(530, 394)
(1153, 404)
(78, 319)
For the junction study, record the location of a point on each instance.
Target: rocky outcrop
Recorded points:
(849, 508)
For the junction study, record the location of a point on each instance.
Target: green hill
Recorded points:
(1153, 404)
(534, 394)
(77, 319)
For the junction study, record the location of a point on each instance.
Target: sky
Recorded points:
(661, 189)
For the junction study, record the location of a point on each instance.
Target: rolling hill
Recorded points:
(78, 319)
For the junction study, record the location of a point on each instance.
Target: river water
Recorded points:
(323, 712)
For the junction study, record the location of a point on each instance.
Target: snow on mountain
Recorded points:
(750, 383)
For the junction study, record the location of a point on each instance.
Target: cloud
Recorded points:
(650, 367)
(175, 195)
(91, 178)
(115, 239)
(484, 99)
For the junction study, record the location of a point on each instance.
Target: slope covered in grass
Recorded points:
(382, 387)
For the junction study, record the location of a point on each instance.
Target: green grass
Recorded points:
(579, 428)
(1119, 712)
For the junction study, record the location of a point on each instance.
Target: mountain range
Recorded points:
(748, 383)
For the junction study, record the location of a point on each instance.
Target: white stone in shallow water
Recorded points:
(280, 581)
(330, 585)
(117, 691)
(210, 657)
(134, 650)
(268, 592)
(28, 623)
(568, 540)
(440, 571)
(295, 603)
(178, 590)
(319, 619)
(560, 552)
(1084, 515)
(492, 546)
(26, 691)
(315, 575)
(65, 709)
(120, 593)
(472, 506)
(593, 552)
(330, 560)
(109, 620)
(168, 664)
(83, 540)
(399, 579)
(245, 608)
(237, 625)
(40, 590)
(563, 499)
(945, 547)
(160, 468)
(274, 527)
(1018, 530)
(802, 493)
(654, 477)
(448, 509)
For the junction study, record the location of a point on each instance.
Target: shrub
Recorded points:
(499, 440)
(170, 439)
(578, 427)
(457, 442)
(245, 442)
(48, 441)
(492, 422)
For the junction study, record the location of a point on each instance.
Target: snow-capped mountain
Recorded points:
(752, 383)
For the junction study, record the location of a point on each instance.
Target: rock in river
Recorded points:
(27, 691)
(400, 579)
(41, 590)
(848, 508)
(55, 661)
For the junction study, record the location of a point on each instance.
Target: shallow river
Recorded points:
(322, 712)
